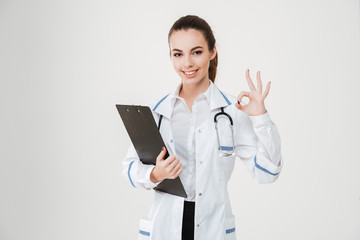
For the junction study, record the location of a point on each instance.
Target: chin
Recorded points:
(191, 81)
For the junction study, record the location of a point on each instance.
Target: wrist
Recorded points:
(153, 176)
(258, 110)
(258, 113)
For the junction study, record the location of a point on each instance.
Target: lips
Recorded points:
(190, 73)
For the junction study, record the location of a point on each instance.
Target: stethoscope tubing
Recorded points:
(223, 113)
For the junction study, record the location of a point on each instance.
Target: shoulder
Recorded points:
(231, 98)
(233, 110)
(153, 103)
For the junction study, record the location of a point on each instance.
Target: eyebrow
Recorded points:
(175, 49)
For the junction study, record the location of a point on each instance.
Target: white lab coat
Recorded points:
(257, 144)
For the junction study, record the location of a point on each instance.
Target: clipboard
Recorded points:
(145, 136)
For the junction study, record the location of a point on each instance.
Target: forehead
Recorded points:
(187, 39)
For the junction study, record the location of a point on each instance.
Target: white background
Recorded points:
(65, 64)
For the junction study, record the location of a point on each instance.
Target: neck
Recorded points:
(191, 91)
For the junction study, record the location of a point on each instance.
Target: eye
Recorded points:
(177, 54)
(197, 52)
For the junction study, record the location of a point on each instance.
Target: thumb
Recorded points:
(162, 154)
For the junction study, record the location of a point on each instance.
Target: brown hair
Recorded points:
(197, 23)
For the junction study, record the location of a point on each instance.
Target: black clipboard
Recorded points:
(145, 136)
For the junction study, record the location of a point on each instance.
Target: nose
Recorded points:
(188, 63)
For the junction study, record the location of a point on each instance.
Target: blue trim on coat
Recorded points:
(129, 174)
(228, 231)
(144, 233)
(263, 169)
(226, 99)
(226, 148)
(160, 102)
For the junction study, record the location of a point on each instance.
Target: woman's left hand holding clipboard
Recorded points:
(256, 105)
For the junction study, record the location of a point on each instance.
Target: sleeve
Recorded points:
(134, 171)
(258, 146)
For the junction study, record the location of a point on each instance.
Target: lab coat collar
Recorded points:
(214, 96)
(205, 94)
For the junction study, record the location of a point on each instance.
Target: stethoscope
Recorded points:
(221, 152)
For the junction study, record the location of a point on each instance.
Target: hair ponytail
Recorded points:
(213, 68)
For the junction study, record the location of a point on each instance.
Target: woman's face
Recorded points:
(190, 55)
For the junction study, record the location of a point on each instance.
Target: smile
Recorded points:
(189, 73)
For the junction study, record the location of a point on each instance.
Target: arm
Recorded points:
(259, 147)
(258, 144)
(149, 176)
(135, 172)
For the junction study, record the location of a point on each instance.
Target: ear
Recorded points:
(213, 53)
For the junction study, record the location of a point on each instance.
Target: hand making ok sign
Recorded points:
(256, 97)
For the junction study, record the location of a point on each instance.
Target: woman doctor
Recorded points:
(203, 154)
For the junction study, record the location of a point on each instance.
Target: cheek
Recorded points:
(176, 65)
(203, 63)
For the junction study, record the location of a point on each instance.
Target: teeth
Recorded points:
(189, 73)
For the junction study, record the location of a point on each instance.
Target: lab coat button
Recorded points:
(201, 162)
(198, 225)
(200, 194)
(171, 141)
(199, 131)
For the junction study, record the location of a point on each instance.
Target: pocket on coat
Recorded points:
(145, 229)
(230, 233)
(226, 166)
(225, 136)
